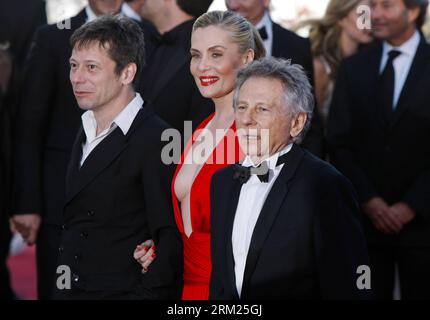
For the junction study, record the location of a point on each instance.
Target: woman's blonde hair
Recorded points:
(243, 33)
(325, 33)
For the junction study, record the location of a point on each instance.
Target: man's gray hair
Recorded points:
(297, 89)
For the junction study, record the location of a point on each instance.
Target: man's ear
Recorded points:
(297, 124)
(128, 73)
(413, 13)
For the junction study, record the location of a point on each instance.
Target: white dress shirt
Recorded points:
(267, 23)
(123, 120)
(402, 64)
(251, 200)
(125, 10)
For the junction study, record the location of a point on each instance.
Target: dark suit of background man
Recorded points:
(166, 79)
(18, 21)
(291, 231)
(379, 133)
(47, 121)
(282, 43)
(117, 188)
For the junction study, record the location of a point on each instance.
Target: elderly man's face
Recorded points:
(253, 10)
(263, 120)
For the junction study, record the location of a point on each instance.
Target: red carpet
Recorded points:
(22, 269)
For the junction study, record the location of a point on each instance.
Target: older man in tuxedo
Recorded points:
(285, 225)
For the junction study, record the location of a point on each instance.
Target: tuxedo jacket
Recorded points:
(389, 159)
(307, 242)
(116, 200)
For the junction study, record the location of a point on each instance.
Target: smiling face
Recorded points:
(215, 61)
(263, 120)
(392, 20)
(92, 74)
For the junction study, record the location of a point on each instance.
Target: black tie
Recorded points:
(263, 33)
(243, 174)
(387, 85)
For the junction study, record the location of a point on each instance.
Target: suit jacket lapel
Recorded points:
(269, 212)
(231, 207)
(412, 80)
(101, 157)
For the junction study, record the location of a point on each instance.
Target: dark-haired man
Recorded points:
(117, 189)
(47, 121)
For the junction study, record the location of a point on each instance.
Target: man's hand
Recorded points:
(382, 217)
(27, 225)
(403, 212)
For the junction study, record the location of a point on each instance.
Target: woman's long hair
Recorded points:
(324, 33)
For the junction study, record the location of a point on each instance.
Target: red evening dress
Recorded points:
(197, 257)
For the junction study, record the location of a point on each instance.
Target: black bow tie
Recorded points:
(263, 33)
(262, 171)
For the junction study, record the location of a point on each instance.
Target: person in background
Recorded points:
(378, 133)
(282, 43)
(334, 37)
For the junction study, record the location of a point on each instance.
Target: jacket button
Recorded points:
(64, 227)
(61, 249)
(84, 234)
(91, 213)
(75, 277)
(78, 256)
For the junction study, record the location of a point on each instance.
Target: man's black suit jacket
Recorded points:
(389, 159)
(116, 200)
(307, 242)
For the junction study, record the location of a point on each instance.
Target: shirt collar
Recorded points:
(409, 47)
(123, 120)
(129, 12)
(271, 161)
(264, 22)
(90, 14)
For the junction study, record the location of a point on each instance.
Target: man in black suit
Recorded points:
(378, 132)
(47, 121)
(282, 43)
(284, 224)
(117, 188)
(166, 79)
